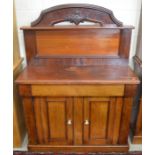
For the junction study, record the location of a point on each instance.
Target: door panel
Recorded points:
(57, 119)
(54, 120)
(99, 120)
(99, 111)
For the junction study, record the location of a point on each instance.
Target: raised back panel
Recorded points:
(107, 37)
(76, 42)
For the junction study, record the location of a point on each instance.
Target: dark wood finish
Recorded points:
(125, 40)
(137, 139)
(114, 38)
(77, 88)
(125, 121)
(130, 90)
(108, 42)
(30, 45)
(57, 72)
(64, 27)
(136, 120)
(117, 123)
(79, 148)
(28, 106)
(76, 13)
(25, 90)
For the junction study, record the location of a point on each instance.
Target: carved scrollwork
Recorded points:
(76, 13)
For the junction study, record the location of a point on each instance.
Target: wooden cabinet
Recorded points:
(77, 93)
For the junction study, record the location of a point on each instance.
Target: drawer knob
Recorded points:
(86, 122)
(69, 122)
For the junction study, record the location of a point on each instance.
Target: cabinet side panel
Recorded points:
(30, 44)
(30, 119)
(125, 39)
(125, 120)
(138, 131)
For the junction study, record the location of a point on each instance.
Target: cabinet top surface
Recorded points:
(56, 71)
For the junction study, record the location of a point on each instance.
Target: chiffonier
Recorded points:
(77, 89)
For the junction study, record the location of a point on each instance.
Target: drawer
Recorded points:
(77, 90)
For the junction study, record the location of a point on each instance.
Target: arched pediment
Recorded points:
(76, 13)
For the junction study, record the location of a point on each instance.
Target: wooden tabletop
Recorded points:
(46, 71)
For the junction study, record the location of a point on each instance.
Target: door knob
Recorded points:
(69, 122)
(86, 122)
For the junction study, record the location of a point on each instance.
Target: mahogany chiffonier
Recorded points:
(77, 88)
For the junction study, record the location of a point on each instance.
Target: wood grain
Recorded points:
(125, 40)
(137, 139)
(136, 120)
(117, 123)
(25, 90)
(30, 45)
(28, 106)
(78, 121)
(96, 112)
(125, 120)
(77, 90)
(81, 149)
(51, 117)
(77, 42)
(78, 71)
(130, 90)
(38, 120)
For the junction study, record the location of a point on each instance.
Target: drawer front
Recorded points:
(77, 90)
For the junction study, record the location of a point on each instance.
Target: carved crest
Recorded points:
(76, 13)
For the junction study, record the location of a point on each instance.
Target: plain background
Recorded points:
(6, 74)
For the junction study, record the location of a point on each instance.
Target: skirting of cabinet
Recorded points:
(114, 148)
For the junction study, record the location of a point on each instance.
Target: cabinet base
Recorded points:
(115, 148)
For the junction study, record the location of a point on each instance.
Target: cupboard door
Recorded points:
(102, 120)
(54, 120)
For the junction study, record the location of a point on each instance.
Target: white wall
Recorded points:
(127, 11)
